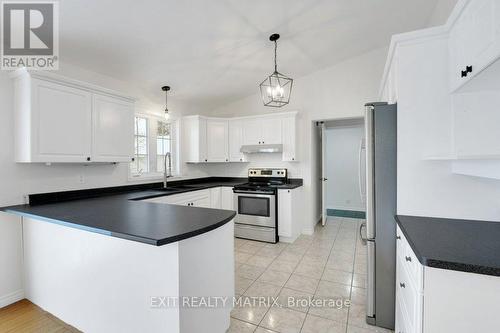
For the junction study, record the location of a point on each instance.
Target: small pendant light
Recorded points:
(276, 88)
(166, 89)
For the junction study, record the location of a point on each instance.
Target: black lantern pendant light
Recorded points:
(166, 89)
(276, 89)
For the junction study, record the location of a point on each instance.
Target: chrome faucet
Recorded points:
(167, 172)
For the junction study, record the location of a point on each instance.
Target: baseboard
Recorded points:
(11, 298)
(308, 231)
(355, 214)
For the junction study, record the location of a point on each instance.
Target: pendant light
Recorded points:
(276, 88)
(166, 89)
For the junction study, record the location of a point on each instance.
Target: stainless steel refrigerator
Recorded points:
(380, 225)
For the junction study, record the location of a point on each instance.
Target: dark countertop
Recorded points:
(118, 211)
(460, 245)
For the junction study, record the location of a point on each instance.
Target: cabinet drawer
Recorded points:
(409, 260)
(409, 296)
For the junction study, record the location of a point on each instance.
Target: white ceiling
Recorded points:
(215, 51)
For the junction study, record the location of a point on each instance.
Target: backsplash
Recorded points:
(240, 169)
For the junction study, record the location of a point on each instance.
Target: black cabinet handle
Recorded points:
(464, 74)
(402, 285)
(259, 142)
(88, 158)
(206, 160)
(133, 159)
(293, 158)
(241, 160)
(398, 237)
(227, 160)
(263, 142)
(468, 69)
(408, 258)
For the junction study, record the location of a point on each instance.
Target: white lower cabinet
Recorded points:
(227, 198)
(288, 214)
(215, 198)
(434, 300)
(199, 198)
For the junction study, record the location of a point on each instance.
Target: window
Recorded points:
(140, 164)
(153, 134)
(163, 144)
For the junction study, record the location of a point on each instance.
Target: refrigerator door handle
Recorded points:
(364, 239)
(360, 170)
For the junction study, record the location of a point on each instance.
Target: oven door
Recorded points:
(255, 209)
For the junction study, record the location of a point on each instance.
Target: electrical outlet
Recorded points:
(81, 179)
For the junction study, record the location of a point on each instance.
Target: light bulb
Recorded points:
(167, 115)
(269, 92)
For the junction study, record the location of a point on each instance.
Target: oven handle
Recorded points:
(254, 193)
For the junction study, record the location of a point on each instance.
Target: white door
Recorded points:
(271, 131)
(113, 129)
(252, 131)
(217, 148)
(323, 174)
(62, 123)
(236, 141)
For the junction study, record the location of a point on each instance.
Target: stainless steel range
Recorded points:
(256, 205)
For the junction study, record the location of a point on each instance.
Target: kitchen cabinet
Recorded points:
(217, 140)
(474, 41)
(194, 136)
(262, 130)
(113, 128)
(215, 198)
(236, 141)
(289, 214)
(199, 198)
(289, 133)
(227, 198)
(437, 300)
(59, 120)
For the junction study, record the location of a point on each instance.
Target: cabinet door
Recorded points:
(289, 139)
(113, 129)
(252, 131)
(62, 123)
(217, 141)
(202, 202)
(215, 198)
(271, 130)
(227, 198)
(236, 141)
(194, 139)
(285, 213)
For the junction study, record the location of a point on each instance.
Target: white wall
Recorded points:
(337, 92)
(441, 12)
(342, 167)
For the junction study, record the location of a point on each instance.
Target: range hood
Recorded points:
(251, 149)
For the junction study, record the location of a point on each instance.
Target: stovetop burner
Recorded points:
(264, 180)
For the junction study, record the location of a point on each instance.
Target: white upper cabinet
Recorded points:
(207, 139)
(236, 141)
(271, 131)
(474, 40)
(262, 130)
(194, 139)
(289, 133)
(59, 120)
(113, 121)
(252, 131)
(217, 140)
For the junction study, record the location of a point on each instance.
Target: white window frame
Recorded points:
(152, 151)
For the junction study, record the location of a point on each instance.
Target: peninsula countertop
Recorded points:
(120, 211)
(461, 245)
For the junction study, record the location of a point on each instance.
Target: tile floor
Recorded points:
(328, 265)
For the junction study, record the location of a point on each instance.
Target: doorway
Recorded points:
(342, 168)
